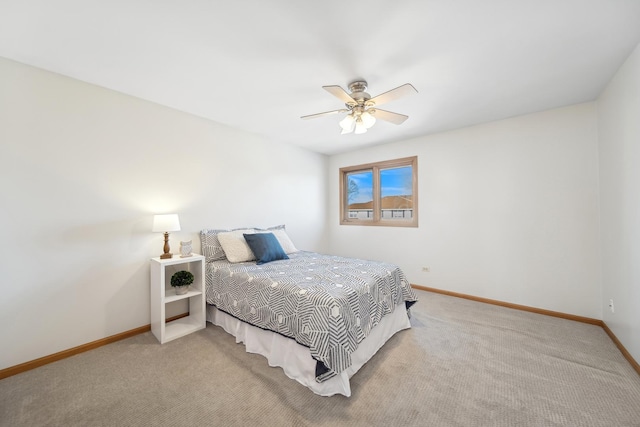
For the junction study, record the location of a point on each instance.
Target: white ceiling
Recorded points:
(259, 65)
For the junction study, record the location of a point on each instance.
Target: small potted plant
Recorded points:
(181, 281)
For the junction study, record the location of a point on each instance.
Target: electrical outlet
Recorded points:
(611, 306)
(426, 269)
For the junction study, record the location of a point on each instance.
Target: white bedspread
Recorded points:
(296, 360)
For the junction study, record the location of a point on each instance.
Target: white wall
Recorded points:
(508, 211)
(83, 170)
(619, 154)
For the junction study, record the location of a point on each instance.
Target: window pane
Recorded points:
(359, 191)
(396, 193)
(390, 187)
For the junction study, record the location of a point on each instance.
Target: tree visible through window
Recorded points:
(383, 193)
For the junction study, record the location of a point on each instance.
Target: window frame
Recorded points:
(377, 197)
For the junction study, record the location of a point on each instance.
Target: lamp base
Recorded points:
(166, 249)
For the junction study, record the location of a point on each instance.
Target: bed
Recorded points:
(319, 317)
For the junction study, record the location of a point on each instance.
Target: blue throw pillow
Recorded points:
(265, 247)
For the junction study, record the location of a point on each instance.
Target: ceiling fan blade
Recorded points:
(400, 91)
(326, 113)
(388, 116)
(340, 93)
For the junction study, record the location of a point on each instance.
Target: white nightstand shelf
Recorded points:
(162, 294)
(170, 295)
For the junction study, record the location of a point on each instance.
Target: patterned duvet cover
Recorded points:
(324, 302)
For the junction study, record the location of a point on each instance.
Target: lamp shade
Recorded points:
(348, 123)
(164, 223)
(367, 119)
(360, 127)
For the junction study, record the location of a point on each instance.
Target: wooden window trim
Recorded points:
(375, 168)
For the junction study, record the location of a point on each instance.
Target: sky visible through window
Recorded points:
(394, 182)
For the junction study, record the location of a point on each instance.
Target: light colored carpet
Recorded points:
(463, 363)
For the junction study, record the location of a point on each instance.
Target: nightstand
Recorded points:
(162, 294)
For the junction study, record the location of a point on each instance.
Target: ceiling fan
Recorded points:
(362, 108)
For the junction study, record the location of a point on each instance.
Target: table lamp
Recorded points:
(165, 224)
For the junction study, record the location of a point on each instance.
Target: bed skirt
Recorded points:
(296, 360)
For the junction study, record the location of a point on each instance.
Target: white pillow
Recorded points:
(284, 240)
(235, 247)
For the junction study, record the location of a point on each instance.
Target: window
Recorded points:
(383, 193)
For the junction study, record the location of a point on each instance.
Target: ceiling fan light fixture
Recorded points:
(348, 123)
(360, 127)
(367, 119)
